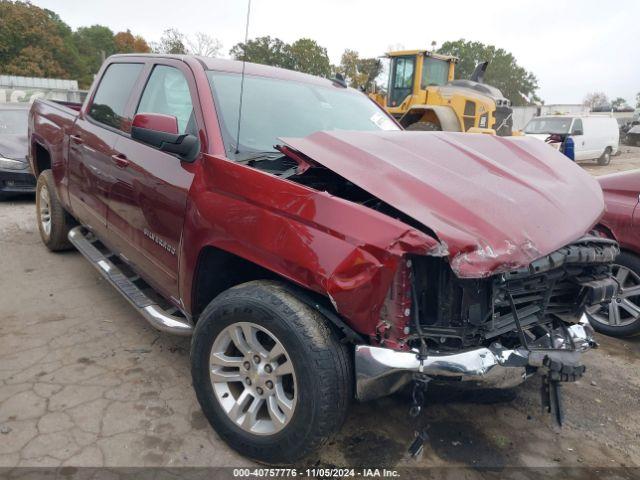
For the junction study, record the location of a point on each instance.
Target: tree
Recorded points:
(359, 72)
(94, 44)
(204, 45)
(595, 101)
(172, 42)
(125, 42)
(516, 83)
(35, 42)
(264, 50)
(638, 100)
(620, 104)
(303, 55)
(309, 57)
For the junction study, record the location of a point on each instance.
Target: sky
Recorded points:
(573, 47)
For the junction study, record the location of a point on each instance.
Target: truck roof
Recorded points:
(235, 66)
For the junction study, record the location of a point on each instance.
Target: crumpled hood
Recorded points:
(14, 147)
(495, 203)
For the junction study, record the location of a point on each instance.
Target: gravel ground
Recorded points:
(84, 381)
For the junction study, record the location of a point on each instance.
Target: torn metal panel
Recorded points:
(497, 203)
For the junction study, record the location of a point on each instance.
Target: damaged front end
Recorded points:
(493, 331)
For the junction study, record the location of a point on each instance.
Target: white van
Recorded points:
(594, 136)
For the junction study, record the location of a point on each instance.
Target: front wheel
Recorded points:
(269, 373)
(621, 317)
(605, 158)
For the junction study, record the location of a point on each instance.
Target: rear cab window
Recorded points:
(113, 92)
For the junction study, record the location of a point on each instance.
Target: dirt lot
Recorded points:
(84, 381)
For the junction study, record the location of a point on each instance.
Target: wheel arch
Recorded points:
(238, 270)
(41, 158)
(442, 115)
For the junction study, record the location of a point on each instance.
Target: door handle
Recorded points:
(120, 160)
(76, 139)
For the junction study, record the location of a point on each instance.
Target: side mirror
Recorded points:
(161, 131)
(577, 132)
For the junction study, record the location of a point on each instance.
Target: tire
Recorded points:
(605, 158)
(602, 318)
(322, 376)
(424, 127)
(54, 222)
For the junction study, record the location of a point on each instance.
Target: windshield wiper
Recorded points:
(265, 155)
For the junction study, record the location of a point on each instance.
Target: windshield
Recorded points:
(434, 72)
(548, 125)
(13, 122)
(273, 108)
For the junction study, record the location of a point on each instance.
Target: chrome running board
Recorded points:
(148, 308)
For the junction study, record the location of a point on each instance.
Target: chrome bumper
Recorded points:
(382, 371)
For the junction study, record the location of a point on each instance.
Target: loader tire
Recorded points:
(424, 127)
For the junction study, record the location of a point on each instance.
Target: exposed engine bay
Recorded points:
(517, 307)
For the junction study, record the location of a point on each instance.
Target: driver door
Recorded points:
(148, 203)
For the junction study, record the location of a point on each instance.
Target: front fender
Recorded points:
(338, 248)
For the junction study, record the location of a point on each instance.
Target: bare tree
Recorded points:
(204, 45)
(594, 100)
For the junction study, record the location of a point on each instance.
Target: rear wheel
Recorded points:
(54, 222)
(605, 158)
(270, 375)
(621, 317)
(424, 127)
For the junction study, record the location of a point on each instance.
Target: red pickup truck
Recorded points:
(314, 250)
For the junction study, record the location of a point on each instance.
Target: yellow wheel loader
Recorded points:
(423, 95)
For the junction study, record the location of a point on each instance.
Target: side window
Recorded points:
(113, 92)
(167, 92)
(577, 126)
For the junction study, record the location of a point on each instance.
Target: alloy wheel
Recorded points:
(253, 378)
(44, 210)
(624, 308)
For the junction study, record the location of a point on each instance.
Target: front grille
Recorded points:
(535, 299)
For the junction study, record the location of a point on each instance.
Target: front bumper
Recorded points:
(17, 181)
(382, 371)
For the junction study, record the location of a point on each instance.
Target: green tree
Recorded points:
(35, 42)
(94, 43)
(264, 50)
(172, 41)
(516, 83)
(309, 57)
(638, 100)
(359, 72)
(303, 55)
(619, 103)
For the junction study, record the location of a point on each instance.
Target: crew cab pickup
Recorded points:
(315, 251)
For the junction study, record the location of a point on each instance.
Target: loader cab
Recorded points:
(413, 72)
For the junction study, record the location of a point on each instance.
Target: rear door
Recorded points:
(147, 204)
(91, 143)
